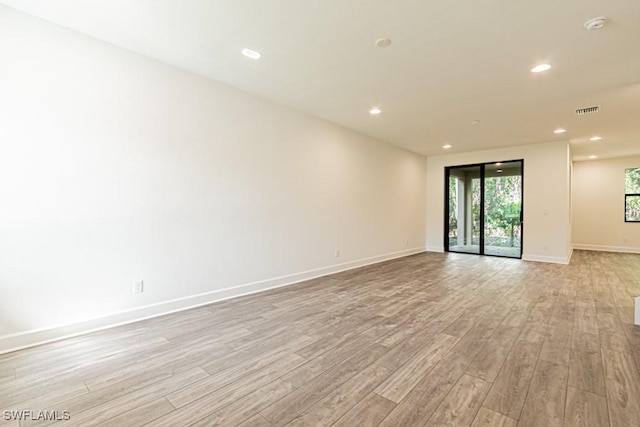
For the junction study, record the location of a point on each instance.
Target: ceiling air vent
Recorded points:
(587, 110)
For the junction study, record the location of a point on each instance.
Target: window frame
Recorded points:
(626, 196)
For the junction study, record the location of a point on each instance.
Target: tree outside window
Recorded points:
(632, 195)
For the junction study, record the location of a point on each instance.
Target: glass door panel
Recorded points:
(503, 209)
(463, 211)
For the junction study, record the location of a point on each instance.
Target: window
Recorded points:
(632, 195)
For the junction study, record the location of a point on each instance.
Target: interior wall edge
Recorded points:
(32, 338)
(570, 254)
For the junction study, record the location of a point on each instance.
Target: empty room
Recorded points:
(305, 213)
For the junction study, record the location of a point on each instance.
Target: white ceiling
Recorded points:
(450, 62)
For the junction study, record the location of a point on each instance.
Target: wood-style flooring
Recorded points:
(431, 339)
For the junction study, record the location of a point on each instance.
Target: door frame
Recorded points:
(447, 175)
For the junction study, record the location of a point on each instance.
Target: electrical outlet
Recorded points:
(625, 240)
(138, 287)
(337, 254)
(406, 242)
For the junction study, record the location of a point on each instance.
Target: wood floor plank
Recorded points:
(111, 409)
(463, 324)
(86, 345)
(32, 392)
(549, 375)
(585, 320)
(406, 349)
(383, 328)
(286, 336)
(490, 360)
(585, 409)
(623, 387)
(488, 418)
(557, 344)
(66, 363)
(247, 407)
(556, 351)
(585, 366)
(337, 403)
(168, 362)
(476, 338)
(109, 395)
(256, 421)
(212, 401)
(543, 408)
(140, 415)
(50, 399)
(316, 366)
(509, 390)
(185, 395)
(545, 402)
(462, 403)
(534, 332)
(369, 412)
(611, 332)
(402, 381)
(293, 405)
(424, 398)
(411, 329)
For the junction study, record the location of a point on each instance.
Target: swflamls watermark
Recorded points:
(31, 415)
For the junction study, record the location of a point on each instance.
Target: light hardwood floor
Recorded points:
(431, 339)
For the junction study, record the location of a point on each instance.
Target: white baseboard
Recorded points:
(525, 257)
(21, 340)
(624, 249)
(550, 259)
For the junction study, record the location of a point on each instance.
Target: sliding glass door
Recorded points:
(483, 209)
(464, 209)
(503, 209)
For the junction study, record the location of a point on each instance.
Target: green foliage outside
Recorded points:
(632, 181)
(453, 207)
(502, 210)
(632, 186)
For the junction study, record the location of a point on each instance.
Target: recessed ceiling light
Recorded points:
(475, 122)
(384, 42)
(499, 164)
(446, 146)
(375, 111)
(540, 68)
(559, 130)
(499, 171)
(595, 23)
(251, 53)
(593, 156)
(595, 138)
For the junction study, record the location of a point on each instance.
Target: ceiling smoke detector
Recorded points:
(385, 42)
(595, 23)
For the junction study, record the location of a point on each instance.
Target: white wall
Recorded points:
(598, 206)
(115, 168)
(546, 229)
